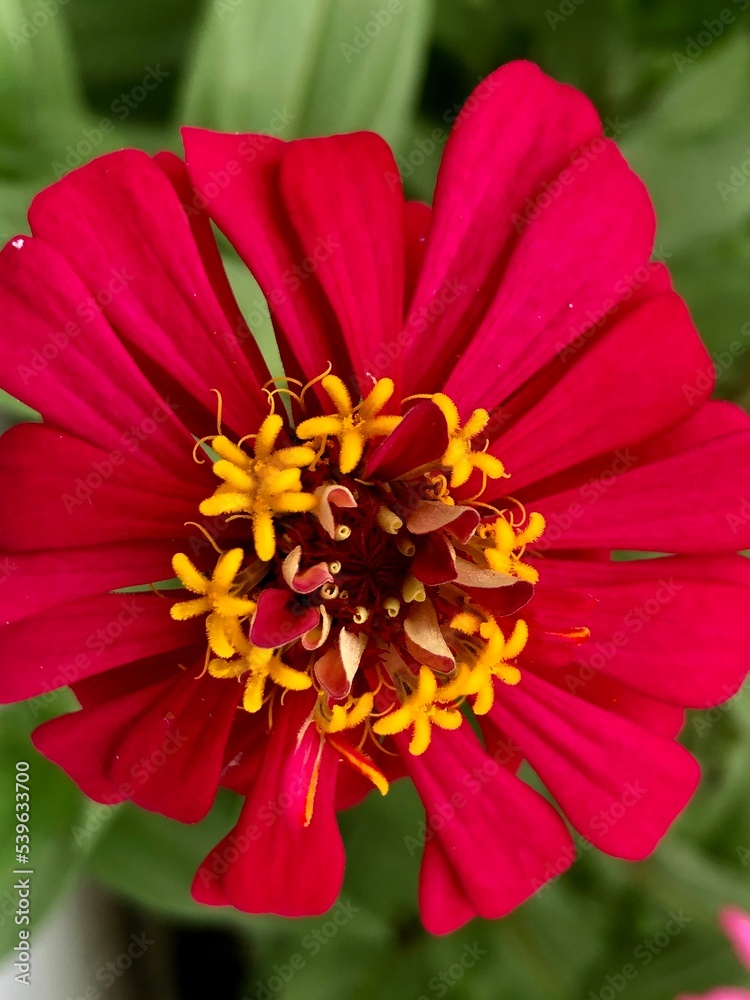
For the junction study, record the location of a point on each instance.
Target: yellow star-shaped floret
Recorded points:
(261, 485)
(337, 718)
(262, 665)
(218, 600)
(459, 456)
(492, 661)
(352, 425)
(421, 709)
(506, 544)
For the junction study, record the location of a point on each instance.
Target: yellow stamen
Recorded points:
(220, 600)
(262, 485)
(337, 718)
(460, 457)
(353, 425)
(492, 661)
(361, 762)
(419, 711)
(507, 544)
(312, 787)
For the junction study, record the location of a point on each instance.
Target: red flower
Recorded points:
(487, 399)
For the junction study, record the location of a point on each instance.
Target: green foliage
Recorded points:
(690, 147)
(345, 67)
(38, 87)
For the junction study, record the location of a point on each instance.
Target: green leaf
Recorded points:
(152, 860)
(254, 308)
(116, 42)
(308, 67)
(382, 874)
(12, 412)
(690, 148)
(39, 98)
(681, 876)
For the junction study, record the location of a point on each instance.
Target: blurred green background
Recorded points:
(672, 81)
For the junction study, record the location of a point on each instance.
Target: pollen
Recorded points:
(459, 456)
(272, 668)
(219, 600)
(261, 486)
(420, 710)
(493, 656)
(353, 426)
(507, 544)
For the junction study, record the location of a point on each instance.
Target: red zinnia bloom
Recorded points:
(482, 402)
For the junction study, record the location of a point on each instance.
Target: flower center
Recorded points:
(366, 568)
(369, 565)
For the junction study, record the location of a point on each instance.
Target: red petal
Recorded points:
(310, 579)
(330, 674)
(62, 358)
(675, 629)
(420, 439)
(499, 837)
(118, 219)
(592, 407)
(435, 560)
(37, 580)
(618, 784)
(424, 638)
(150, 742)
(85, 637)
(516, 132)
(428, 516)
(242, 340)
(244, 752)
(280, 619)
(272, 863)
(502, 601)
(417, 217)
(341, 188)
(71, 494)
(250, 210)
(597, 231)
(656, 716)
(684, 492)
